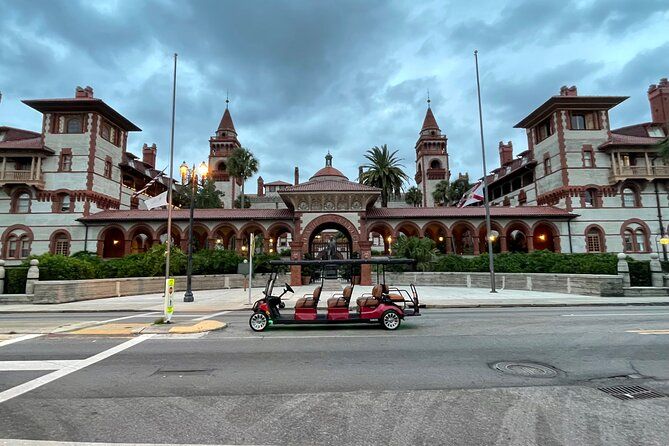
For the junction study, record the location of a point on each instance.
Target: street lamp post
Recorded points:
(191, 175)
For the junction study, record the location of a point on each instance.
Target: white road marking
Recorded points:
(128, 317)
(42, 380)
(209, 316)
(11, 442)
(49, 364)
(19, 339)
(613, 314)
(87, 324)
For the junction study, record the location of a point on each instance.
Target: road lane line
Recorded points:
(22, 366)
(613, 314)
(19, 339)
(42, 380)
(209, 316)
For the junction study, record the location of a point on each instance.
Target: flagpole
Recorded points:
(491, 258)
(169, 283)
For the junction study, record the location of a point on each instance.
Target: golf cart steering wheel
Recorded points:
(288, 288)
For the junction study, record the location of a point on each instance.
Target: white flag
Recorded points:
(473, 195)
(157, 201)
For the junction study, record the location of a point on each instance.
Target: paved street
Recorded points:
(431, 382)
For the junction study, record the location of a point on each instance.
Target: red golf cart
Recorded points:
(385, 305)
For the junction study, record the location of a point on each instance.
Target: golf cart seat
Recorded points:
(309, 300)
(371, 300)
(341, 300)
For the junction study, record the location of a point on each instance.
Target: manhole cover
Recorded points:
(525, 369)
(631, 392)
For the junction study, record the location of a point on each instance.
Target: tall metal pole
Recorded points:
(188, 295)
(169, 288)
(491, 259)
(251, 249)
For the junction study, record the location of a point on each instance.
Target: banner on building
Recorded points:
(157, 201)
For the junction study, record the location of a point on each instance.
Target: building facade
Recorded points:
(580, 186)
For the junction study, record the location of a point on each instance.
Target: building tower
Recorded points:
(431, 157)
(221, 146)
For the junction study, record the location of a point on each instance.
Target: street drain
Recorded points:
(631, 392)
(526, 369)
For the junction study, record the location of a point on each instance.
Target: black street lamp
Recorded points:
(191, 175)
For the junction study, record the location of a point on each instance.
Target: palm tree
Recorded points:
(458, 188)
(441, 192)
(414, 196)
(242, 164)
(422, 250)
(385, 172)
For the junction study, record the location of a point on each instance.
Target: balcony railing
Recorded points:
(640, 172)
(21, 177)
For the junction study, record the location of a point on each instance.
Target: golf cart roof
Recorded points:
(373, 261)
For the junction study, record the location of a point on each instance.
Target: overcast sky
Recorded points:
(307, 77)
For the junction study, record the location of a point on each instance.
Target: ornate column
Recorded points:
(295, 270)
(530, 243)
(502, 244)
(365, 270)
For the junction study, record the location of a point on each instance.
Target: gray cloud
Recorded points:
(305, 77)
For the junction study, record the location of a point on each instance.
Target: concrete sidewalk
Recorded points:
(236, 299)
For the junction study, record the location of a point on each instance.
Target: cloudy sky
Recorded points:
(307, 77)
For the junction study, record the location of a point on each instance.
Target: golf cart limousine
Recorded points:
(385, 305)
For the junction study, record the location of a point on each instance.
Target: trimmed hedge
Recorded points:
(535, 262)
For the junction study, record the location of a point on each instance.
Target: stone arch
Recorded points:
(22, 234)
(140, 238)
(224, 236)
(463, 238)
(162, 231)
(439, 234)
(259, 233)
(201, 237)
(483, 241)
(274, 233)
(517, 236)
(385, 231)
(112, 242)
(639, 224)
(331, 220)
(545, 236)
(408, 228)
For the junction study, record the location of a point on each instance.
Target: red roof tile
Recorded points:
(183, 215)
(226, 122)
(468, 212)
(429, 122)
(629, 140)
(328, 171)
(28, 143)
(82, 105)
(569, 103)
(278, 183)
(330, 185)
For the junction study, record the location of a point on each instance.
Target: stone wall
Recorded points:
(583, 284)
(59, 291)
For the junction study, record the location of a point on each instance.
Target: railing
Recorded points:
(19, 175)
(641, 171)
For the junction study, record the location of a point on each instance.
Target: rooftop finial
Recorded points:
(428, 98)
(328, 160)
(227, 99)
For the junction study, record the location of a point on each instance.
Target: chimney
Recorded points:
(83, 93)
(658, 96)
(149, 154)
(297, 175)
(261, 187)
(568, 91)
(505, 153)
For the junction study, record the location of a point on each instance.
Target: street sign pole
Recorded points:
(168, 308)
(251, 249)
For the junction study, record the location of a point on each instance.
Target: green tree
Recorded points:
(441, 192)
(206, 195)
(242, 164)
(238, 203)
(414, 196)
(458, 188)
(663, 149)
(385, 172)
(422, 250)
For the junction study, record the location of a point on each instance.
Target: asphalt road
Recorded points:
(431, 382)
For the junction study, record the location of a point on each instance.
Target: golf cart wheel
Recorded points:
(390, 320)
(258, 321)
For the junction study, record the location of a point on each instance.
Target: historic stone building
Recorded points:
(579, 187)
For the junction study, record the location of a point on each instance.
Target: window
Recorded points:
(547, 166)
(25, 246)
(543, 130)
(435, 164)
(590, 198)
(656, 132)
(73, 125)
(65, 161)
(588, 158)
(22, 203)
(18, 245)
(12, 243)
(577, 122)
(634, 238)
(629, 198)
(108, 169)
(105, 131)
(61, 245)
(629, 159)
(594, 242)
(65, 204)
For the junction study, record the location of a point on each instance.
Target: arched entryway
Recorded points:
(546, 237)
(438, 232)
(380, 235)
(141, 239)
(330, 240)
(113, 242)
(279, 237)
(495, 237)
(463, 240)
(223, 236)
(517, 234)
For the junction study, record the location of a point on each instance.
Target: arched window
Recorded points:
(595, 240)
(73, 125)
(61, 244)
(65, 203)
(590, 198)
(629, 197)
(21, 203)
(635, 238)
(17, 245)
(435, 164)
